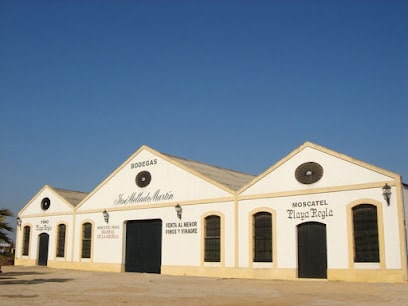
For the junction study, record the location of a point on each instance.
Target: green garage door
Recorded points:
(143, 246)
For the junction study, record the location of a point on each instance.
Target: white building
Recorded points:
(314, 214)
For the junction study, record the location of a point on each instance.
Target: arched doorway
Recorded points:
(312, 250)
(43, 249)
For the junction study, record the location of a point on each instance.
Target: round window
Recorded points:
(45, 203)
(143, 178)
(309, 173)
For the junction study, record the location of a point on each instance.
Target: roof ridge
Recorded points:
(207, 164)
(70, 190)
(73, 197)
(231, 179)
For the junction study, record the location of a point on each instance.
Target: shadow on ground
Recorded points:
(19, 296)
(11, 274)
(12, 281)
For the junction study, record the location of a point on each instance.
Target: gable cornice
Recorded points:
(317, 147)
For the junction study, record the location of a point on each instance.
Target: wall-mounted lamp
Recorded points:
(19, 222)
(105, 216)
(179, 210)
(387, 193)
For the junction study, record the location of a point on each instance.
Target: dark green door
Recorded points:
(143, 246)
(43, 249)
(312, 250)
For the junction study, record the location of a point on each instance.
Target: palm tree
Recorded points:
(4, 226)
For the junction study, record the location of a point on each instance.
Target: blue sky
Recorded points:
(239, 84)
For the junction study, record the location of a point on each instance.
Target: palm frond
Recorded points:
(4, 226)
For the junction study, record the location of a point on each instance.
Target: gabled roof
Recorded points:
(309, 144)
(227, 179)
(232, 179)
(71, 196)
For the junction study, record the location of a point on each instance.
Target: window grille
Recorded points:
(262, 235)
(212, 239)
(366, 246)
(86, 240)
(61, 240)
(26, 240)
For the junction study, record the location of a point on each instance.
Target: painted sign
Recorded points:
(107, 232)
(175, 228)
(44, 226)
(316, 209)
(144, 163)
(143, 197)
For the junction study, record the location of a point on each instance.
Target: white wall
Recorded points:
(336, 226)
(336, 172)
(182, 247)
(167, 178)
(48, 225)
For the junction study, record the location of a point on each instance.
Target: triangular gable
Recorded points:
(338, 170)
(172, 181)
(60, 202)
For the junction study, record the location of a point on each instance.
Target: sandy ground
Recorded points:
(45, 286)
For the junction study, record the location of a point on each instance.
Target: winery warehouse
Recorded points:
(315, 214)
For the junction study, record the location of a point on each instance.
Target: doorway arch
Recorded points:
(43, 249)
(312, 250)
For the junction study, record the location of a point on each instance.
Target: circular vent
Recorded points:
(143, 178)
(45, 203)
(309, 173)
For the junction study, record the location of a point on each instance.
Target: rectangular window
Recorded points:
(86, 240)
(212, 239)
(26, 240)
(61, 240)
(262, 237)
(365, 224)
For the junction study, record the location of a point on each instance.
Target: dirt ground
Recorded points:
(45, 286)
